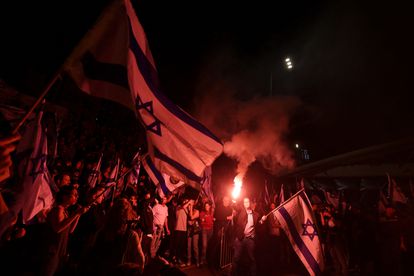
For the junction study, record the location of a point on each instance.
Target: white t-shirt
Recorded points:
(160, 214)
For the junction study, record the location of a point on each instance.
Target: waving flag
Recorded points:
(98, 64)
(206, 186)
(114, 61)
(36, 182)
(94, 174)
(297, 220)
(34, 185)
(165, 183)
(133, 175)
(179, 146)
(112, 181)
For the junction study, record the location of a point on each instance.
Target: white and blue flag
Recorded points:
(114, 62)
(166, 184)
(297, 220)
(179, 145)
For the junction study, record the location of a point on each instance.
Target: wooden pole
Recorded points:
(38, 101)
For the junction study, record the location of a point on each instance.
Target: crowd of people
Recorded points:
(130, 229)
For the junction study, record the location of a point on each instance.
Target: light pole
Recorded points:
(289, 66)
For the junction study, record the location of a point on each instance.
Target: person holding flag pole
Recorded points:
(298, 221)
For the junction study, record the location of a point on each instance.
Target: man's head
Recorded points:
(246, 203)
(226, 201)
(64, 180)
(164, 200)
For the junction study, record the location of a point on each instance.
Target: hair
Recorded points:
(211, 207)
(118, 216)
(64, 191)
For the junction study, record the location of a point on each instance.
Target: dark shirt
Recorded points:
(221, 213)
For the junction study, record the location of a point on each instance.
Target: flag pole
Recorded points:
(75, 52)
(38, 101)
(109, 187)
(280, 206)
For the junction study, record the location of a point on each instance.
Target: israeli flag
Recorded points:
(297, 220)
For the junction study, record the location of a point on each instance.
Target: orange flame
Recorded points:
(237, 186)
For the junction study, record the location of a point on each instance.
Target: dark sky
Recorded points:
(353, 59)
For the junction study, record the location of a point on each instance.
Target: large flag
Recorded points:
(165, 184)
(33, 191)
(98, 63)
(298, 221)
(179, 145)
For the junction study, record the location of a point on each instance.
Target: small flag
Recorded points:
(94, 173)
(111, 180)
(206, 185)
(394, 191)
(298, 221)
(281, 195)
(133, 176)
(266, 194)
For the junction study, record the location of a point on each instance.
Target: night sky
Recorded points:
(352, 60)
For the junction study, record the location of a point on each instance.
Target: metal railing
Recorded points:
(226, 248)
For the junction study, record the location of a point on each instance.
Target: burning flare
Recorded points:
(237, 186)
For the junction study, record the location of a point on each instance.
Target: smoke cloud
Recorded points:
(252, 130)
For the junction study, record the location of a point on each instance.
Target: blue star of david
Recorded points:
(305, 230)
(40, 162)
(155, 126)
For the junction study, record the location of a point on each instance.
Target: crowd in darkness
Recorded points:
(132, 229)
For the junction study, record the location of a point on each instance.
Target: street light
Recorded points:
(289, 63)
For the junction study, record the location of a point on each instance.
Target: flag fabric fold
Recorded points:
(179, 145)
(114, 61)
(297, 220)
(112, 181)
(165, 184)
(34, 181)
(98, 63)
(206, 185)
(133, 175)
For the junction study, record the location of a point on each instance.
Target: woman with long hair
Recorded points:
(207, 224)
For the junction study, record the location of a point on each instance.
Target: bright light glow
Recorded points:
(287, 59)
(297, 146)
(290, 66)
(237, 187)
(289, 63)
